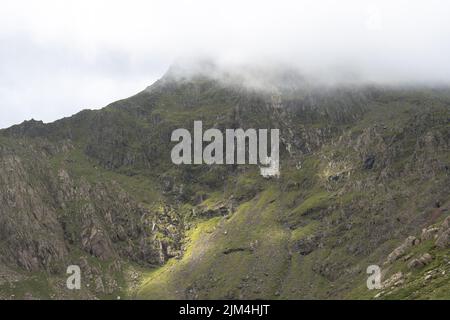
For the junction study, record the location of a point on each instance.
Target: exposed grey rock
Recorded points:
(99, 287)
(443, 235)
(426, 258)
(428, 233)
(395, 278)
(402, 249)
(415, 264)
(443, 239)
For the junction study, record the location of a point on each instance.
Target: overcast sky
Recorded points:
(58, 57)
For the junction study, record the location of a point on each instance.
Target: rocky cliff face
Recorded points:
(361, 169)
(51, 217)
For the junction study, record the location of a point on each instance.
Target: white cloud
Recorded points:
(58, 56)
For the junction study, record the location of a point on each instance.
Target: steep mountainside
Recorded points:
(362, 169)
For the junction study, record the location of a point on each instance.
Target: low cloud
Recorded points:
(59, 57)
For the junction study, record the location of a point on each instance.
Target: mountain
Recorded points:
(364, 179)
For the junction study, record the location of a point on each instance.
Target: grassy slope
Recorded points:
(277, 218)
(253, 253)
(416, 285)
(255, 234)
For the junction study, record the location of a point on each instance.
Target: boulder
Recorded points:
(396, 278)
(402, 249)
(426, 258)
(428, 233)
(415, 264)
(99, 287)
(443, 235)
(443, 239)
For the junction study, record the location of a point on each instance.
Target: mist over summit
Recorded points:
(99, 200)
(117, 52)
